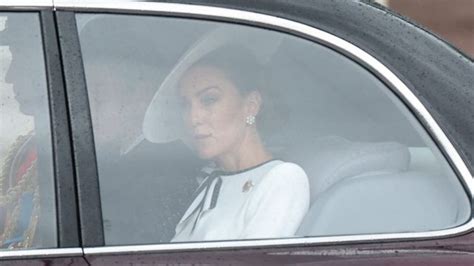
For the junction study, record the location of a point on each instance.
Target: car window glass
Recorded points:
(213, 131)
(27, 199)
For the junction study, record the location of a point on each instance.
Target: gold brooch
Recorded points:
(247, 186)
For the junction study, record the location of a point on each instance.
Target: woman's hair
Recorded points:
(242, 68)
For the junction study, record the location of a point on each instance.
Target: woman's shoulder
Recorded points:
(287, 168)
(287, 173)
(285, 181)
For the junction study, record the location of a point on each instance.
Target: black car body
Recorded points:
(429, 77)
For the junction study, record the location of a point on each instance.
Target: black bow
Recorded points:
(206, 185)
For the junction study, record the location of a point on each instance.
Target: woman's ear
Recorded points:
(253, 103)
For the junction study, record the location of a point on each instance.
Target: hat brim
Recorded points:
(163, 122)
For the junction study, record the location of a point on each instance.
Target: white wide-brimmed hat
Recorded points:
(163, 122)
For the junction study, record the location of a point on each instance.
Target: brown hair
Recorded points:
(242, 68)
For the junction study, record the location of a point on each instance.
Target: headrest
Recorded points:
(332, 159)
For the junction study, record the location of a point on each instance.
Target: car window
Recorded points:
(216, 131)
(27, 198)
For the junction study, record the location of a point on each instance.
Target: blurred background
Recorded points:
(452, 20)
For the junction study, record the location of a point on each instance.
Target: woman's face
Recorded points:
(214, 112)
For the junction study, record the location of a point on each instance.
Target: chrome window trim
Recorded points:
(40, 253)
(319, 36)
(302, 241)
(26, 3)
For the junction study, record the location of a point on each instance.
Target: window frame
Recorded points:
(84, 156)
(357, 54)
(67, 228)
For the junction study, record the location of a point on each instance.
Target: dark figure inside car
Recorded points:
(26, 210)
(145, 187)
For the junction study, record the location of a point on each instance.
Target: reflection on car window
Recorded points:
(224, 132)
(27, 204)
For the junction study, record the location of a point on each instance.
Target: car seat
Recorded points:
(362, 188)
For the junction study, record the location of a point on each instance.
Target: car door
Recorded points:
(388, 174)
(38, 203)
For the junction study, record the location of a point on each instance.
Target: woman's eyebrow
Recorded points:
(205, 89)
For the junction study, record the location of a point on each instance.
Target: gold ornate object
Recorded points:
(247, 186)
(11, 197)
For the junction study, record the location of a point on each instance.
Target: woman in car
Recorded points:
(245, 193)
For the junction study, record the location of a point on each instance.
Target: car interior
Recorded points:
(372, 167)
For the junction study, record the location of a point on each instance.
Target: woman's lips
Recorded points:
(201, 136)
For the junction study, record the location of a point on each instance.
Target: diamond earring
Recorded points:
(250, 120)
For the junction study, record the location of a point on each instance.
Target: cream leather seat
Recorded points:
(366, 188)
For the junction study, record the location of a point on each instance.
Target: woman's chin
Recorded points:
(205, 154)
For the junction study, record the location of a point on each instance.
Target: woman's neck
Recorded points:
(249, 153)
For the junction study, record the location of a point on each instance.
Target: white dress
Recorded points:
(266, 201)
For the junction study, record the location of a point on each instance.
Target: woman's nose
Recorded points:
(195, 115)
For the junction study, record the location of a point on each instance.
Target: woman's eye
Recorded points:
(207, 100)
